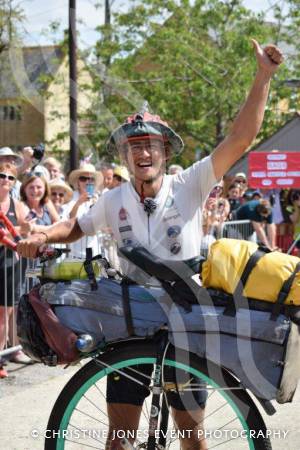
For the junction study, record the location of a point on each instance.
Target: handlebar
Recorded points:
(46, 254)
(4, 239)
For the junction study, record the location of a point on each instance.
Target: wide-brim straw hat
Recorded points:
(122, 171)
(59, 183)
(6, 151)
(86, 170)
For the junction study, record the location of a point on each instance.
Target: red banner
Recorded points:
(274, 170)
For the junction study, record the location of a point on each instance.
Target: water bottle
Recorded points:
(85, 343)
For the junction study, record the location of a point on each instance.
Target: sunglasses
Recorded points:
(59, 194)
(4, 176)
(84, 179)
(241, 181)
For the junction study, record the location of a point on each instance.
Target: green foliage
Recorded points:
(11, 15)
(193, 62)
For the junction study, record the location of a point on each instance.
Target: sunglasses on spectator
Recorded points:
(84, 179)
(241, 181)
(4, 176)
(59, 194)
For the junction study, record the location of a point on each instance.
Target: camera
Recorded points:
(38, 152)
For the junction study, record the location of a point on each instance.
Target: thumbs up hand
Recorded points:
(268, 58)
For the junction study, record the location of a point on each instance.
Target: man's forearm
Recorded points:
(245, 127)
(63, 232)
(260, 232)
(249, 120)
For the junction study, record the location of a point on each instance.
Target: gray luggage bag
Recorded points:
(264, 354)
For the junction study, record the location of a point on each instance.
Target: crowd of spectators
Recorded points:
(34, 192)
(265, 209)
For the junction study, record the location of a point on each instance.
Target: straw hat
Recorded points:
(240, 175)
(85, 170)
(121, 171)
(6, 151)
(59, 183)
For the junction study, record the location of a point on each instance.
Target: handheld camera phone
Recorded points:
(90, 189)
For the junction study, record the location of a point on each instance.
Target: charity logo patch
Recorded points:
(122, 214)
(174, 231)
(124, 229)
(169, 202)
(127, 242)
(175, 248)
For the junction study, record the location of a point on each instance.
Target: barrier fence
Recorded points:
(19, 276)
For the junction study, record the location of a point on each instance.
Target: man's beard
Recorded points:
(155, 177)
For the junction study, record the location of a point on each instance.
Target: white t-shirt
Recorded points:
(78, 248)
(173, 230)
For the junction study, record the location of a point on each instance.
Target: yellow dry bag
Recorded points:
(272, 273)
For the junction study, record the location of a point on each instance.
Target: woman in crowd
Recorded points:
(61, 195)
(215, 213)
(241, 179)
(87, 183)
(10, 275)
(233, 196)
(35, 194)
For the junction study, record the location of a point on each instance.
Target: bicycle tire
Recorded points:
(130, 353)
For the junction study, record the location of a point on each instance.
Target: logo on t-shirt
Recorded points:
(169, 202)
(122, 214)
(175, 248)
(174, 231)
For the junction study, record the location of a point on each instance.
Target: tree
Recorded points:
(192, 61)
(11, 15)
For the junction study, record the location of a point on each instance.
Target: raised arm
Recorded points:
(248, 122)
(61, 232)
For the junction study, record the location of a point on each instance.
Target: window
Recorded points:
(10, 112)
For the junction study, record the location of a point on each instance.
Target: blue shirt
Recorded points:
(248, 211)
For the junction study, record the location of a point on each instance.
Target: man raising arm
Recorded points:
(165, 224)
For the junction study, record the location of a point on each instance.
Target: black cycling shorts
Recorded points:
(122, 390)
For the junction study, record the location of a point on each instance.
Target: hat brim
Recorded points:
(144, 130)
(75, 174)
(18, 159)
(67, 189)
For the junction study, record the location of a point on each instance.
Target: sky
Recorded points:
(40, 13)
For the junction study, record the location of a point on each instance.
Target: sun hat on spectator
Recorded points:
(240, 175)
(59, 183)
(122, 172)
(86, 169)
(6, 151)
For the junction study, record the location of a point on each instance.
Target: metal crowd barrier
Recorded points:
(235, 229)
(23, 278)
(238, 229)
(13, 279)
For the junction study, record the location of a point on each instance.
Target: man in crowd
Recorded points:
(172, 229)
(108, 178)
(259, 212)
